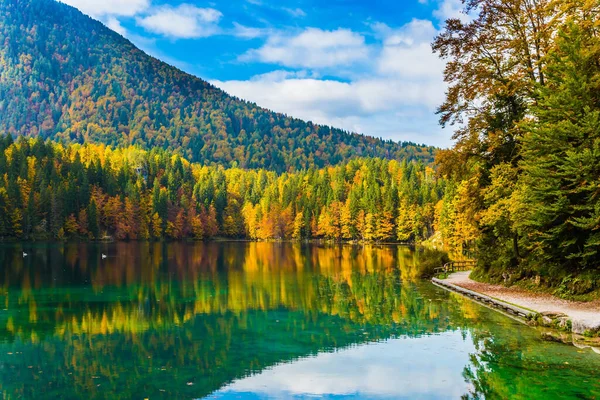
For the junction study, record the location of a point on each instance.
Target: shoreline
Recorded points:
(581, 320)
(220, 239)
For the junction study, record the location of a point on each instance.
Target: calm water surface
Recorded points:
(260, 321)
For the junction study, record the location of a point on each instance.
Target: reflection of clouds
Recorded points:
(424, 367)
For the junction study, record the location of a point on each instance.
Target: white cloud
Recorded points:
(370, 106)
(423, 367)
(394, 88)
(411, 61)
(114, 24)
(451, 9)
(99, 8)
(312, 48)
(416, 31)
(295, 12)
(407, 51)
(246, 32)
(183, 21)
(281, 75)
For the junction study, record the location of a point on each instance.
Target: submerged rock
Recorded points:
(557, 337)
(563, 322)
(553, 314)
(584, 328)
(555, 319)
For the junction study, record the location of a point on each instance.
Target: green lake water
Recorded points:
(261, 321)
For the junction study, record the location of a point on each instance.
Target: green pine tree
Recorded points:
(561, 156)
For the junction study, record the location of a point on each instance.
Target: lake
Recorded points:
(239, 320)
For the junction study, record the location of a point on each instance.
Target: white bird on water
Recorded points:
(24, 254)
(104, 256)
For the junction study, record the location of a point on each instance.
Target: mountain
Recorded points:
(67, 77)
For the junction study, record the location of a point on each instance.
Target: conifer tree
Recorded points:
(561, 155)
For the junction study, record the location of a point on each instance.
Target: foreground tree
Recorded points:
(524, 91)
(561, 153)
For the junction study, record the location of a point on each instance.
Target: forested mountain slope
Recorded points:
(67, 77)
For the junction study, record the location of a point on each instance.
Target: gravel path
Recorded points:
(583, 315)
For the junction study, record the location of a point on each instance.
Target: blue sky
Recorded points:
(365, 66)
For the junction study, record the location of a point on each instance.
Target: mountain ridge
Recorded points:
(70, 78)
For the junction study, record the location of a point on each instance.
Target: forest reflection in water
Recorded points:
(183, 320)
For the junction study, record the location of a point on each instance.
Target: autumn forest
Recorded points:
(100, 140)
(51, 191)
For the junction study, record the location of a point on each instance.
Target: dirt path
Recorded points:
(583, 315)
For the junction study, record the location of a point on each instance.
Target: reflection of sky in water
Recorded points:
(428, 367)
